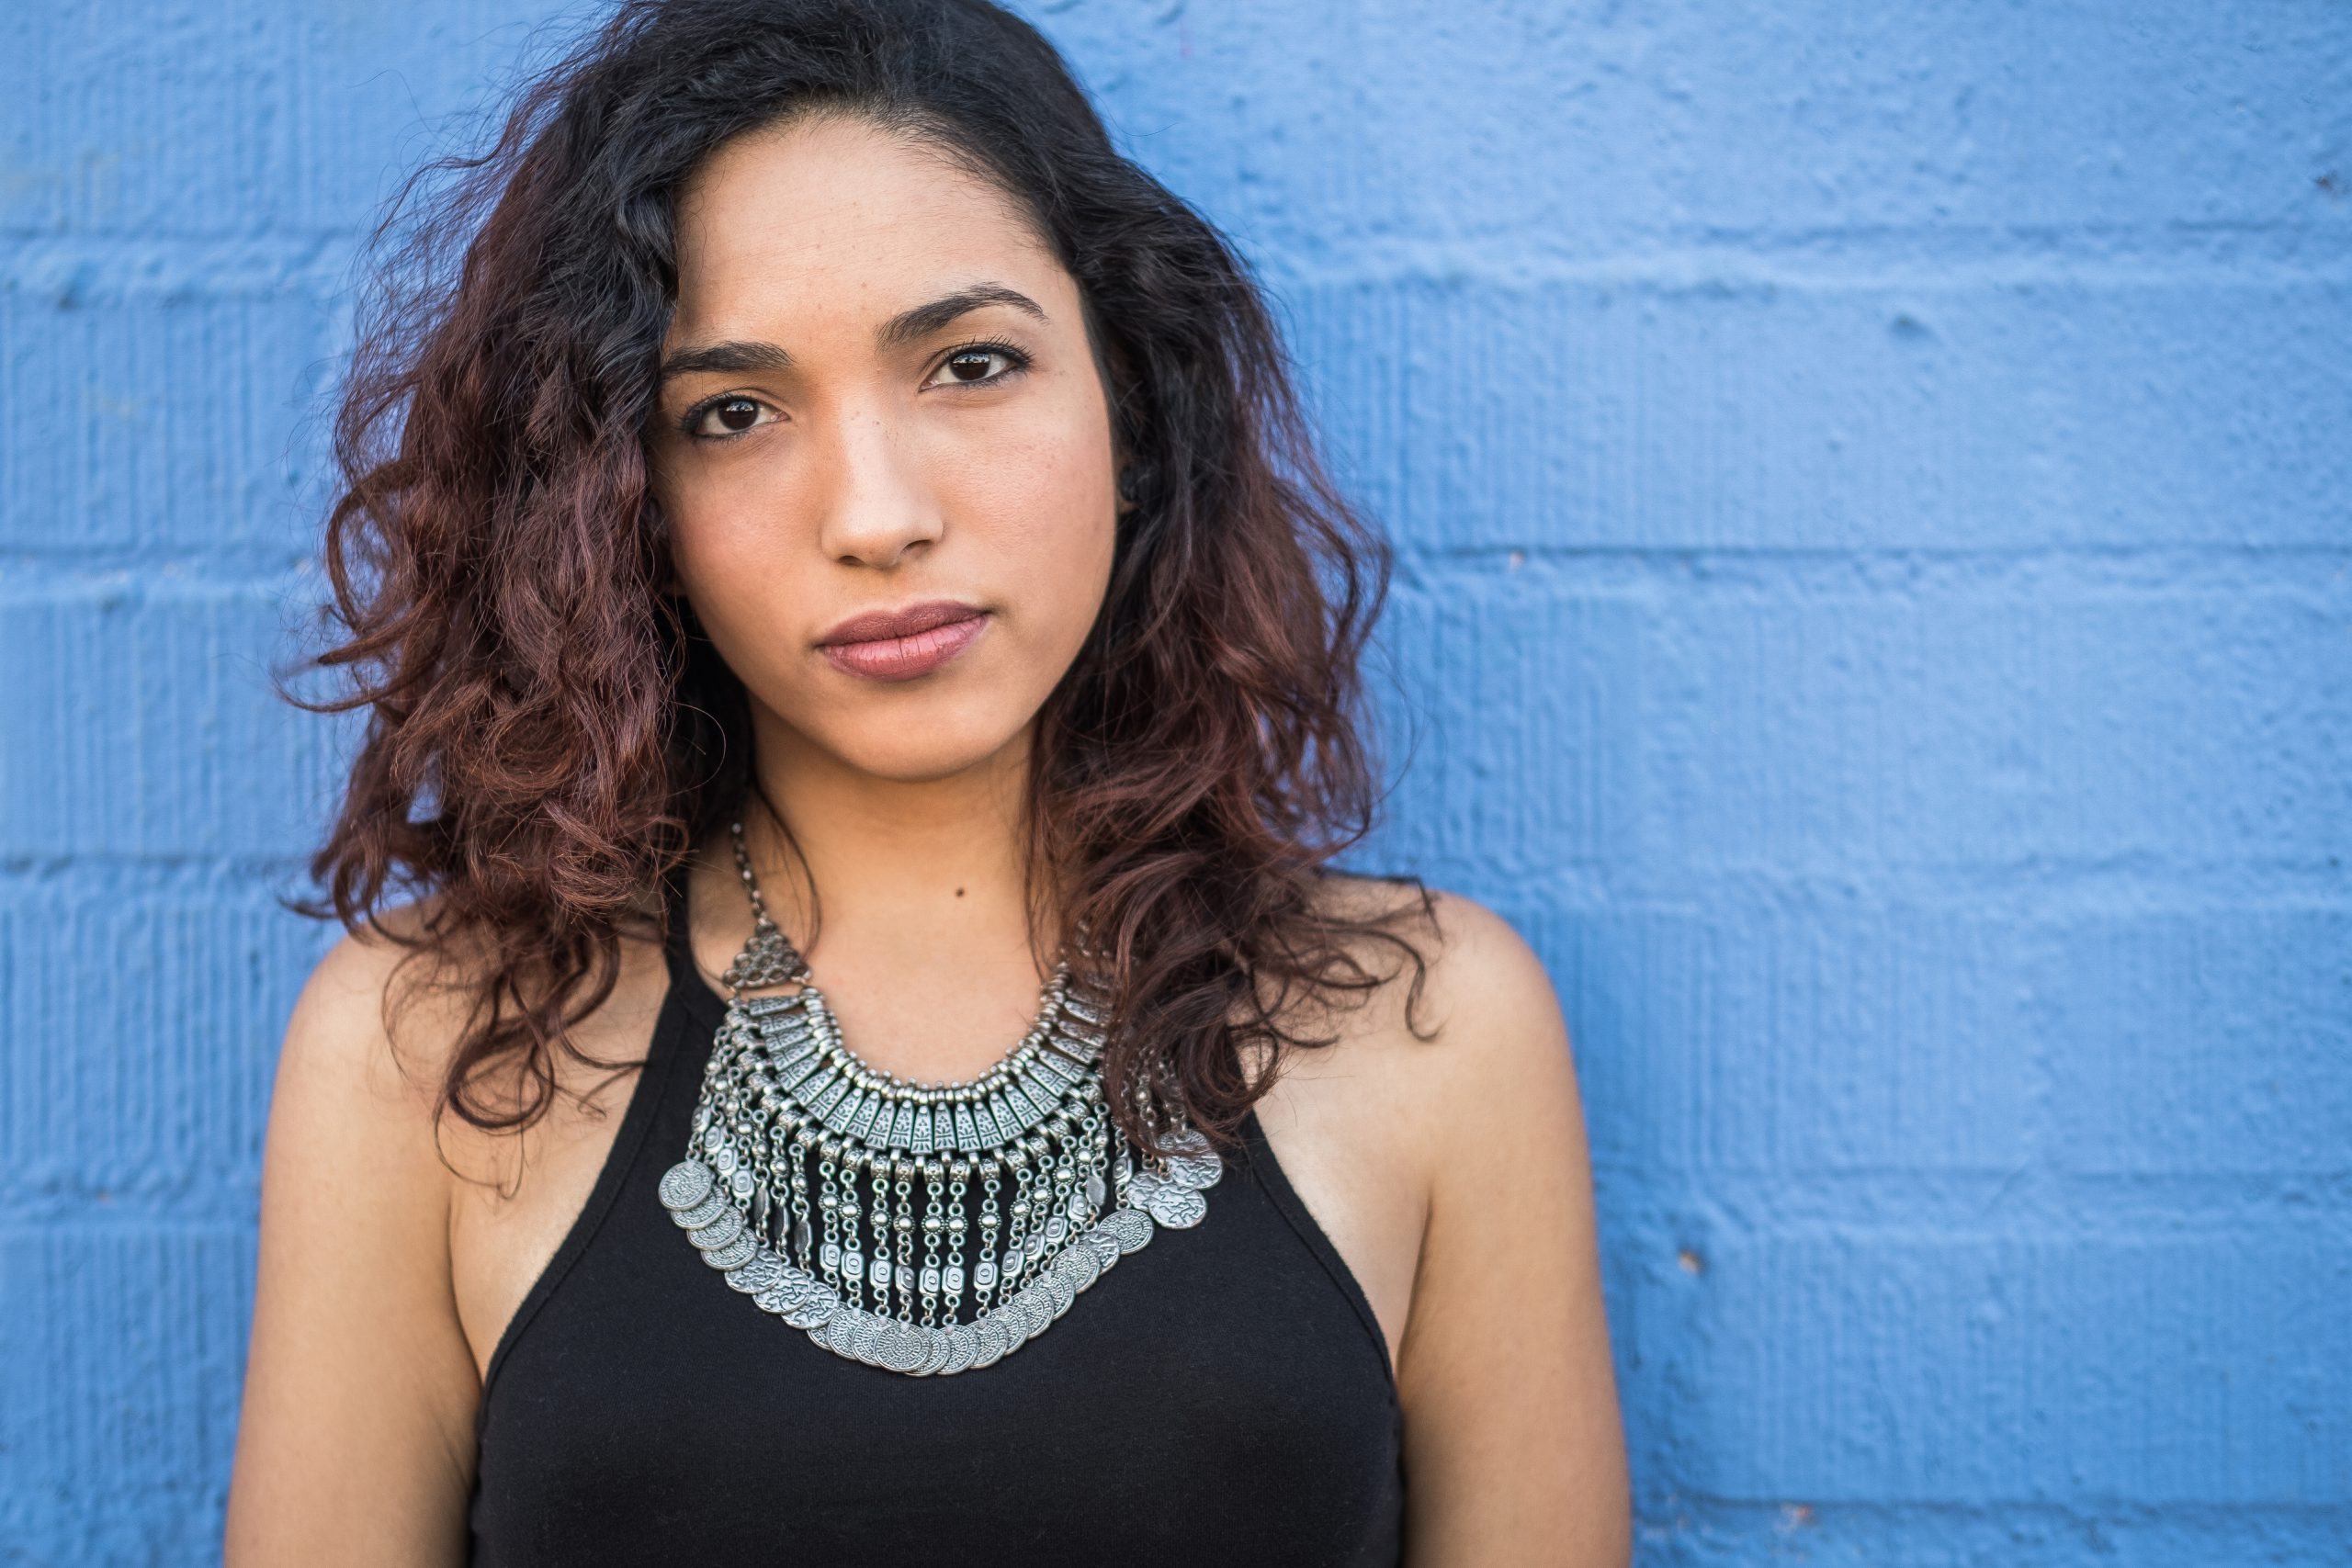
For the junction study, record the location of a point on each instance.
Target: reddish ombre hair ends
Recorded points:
(546, 735)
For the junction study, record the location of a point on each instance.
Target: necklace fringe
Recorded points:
(843, 1198)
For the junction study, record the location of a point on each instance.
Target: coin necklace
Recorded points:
(845, 1200)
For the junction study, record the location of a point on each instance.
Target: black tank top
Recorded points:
(1225, 1394)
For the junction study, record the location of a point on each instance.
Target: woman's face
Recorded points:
(879, 396)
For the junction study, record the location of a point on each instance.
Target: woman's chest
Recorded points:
(519, 1193)
(1214, 1386)
(1338, 1122)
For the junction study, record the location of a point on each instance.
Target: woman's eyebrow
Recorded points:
(924, 319)
(738, 356)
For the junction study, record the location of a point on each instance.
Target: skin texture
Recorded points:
(1450, 1173)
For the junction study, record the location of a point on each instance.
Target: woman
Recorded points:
(847, 610)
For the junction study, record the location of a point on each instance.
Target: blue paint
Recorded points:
(1874, 599)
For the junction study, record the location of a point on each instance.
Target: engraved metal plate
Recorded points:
(893, 1340)
(1013, 1313)
(816, 1306)
(757, 1275)
(1195, 1172)
(1079, 1266)
(842, 1332)
(725, 1227)
(1044, 1306)
(1131, 1228)
(1176, 1207)
(798, 1303)
(685, 1184)
(736, 1253)
(702, 1214)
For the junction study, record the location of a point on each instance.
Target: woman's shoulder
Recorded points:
(1477, 978)
(388, 1007)
(353, 1262)
(1452, 1056)
(1464, 1037)
(371, 1018)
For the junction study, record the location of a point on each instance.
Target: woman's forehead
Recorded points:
(840, 193)
(836, 221)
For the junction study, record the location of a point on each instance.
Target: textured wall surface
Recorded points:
(1871, 488)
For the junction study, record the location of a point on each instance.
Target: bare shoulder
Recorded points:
(358, 1391)
(1468, 1010)
(1504, 1372)
(373, 1026)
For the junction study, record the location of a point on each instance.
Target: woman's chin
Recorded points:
(910, 752)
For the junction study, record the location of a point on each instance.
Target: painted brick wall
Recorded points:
(1873, 606)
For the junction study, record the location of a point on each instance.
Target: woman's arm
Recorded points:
(1514, 1451)
(355, 1441)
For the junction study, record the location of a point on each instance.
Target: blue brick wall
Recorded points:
(1874, 585)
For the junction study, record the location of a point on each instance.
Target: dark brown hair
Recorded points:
(548, 736)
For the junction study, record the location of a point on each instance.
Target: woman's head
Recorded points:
(878, 393)
(763, 316)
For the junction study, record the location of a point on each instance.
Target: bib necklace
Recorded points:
(845, 1200)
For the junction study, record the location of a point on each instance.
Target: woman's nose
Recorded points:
(879, 507)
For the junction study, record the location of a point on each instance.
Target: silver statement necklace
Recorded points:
(846, 1200)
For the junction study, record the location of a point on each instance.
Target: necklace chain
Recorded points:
(1022, 1167)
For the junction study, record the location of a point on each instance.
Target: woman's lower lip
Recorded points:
(904, 658)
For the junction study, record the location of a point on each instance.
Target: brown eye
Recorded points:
(968, 366)
(724, 417)
(971, 365)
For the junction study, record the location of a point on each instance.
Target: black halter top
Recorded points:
(1225, 1392)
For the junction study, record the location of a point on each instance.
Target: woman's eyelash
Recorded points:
(691, 421)
(992, 345)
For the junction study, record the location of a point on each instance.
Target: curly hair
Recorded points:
(548, 736)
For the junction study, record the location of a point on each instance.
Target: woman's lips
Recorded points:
(904, 658)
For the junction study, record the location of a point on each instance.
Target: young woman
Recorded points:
(860, 660)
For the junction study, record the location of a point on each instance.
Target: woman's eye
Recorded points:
(727, 416)
(970, 367)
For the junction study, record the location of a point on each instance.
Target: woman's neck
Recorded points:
(905, 870)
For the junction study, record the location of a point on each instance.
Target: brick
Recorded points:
(1501, 697)
(1802, 734)
(1690, 1533)
(136, 717)
(123, 1363)
(2112, 1370)
(138, 1034)
(1943, 411)
(152, 426)
(1536, 125)
(1794, 1038)
(199, 118)
(2206, 1040)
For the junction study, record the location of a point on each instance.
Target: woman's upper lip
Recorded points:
(880, 626)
